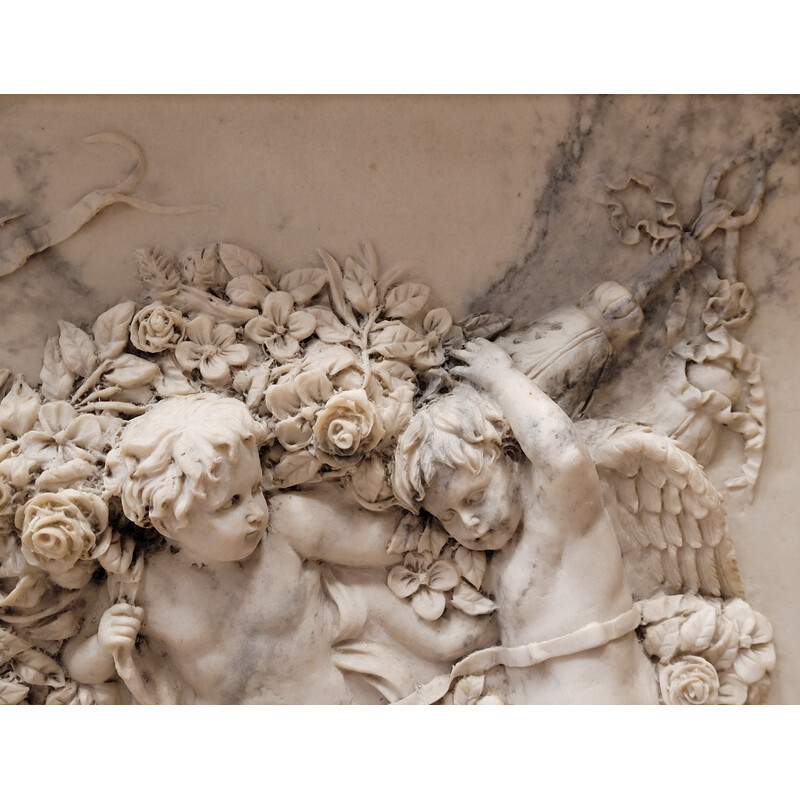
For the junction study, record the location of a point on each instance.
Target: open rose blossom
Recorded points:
(689, 681)
(347, 427)
(61, 528)
(157, 328)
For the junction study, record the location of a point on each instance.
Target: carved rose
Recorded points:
(347, 427)
(61, 528)
(157, 328)
(690, 680)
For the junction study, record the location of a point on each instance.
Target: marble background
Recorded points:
(488, 197)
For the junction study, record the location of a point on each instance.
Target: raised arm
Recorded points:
(545, 433)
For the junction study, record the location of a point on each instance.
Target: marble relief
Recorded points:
(315, 485)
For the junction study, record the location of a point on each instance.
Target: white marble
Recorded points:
(488, 199)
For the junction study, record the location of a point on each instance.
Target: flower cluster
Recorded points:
(436, 572)
(330, 357)
(709, 651)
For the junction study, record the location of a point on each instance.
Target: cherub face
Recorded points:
(481, 512)
(228, 523)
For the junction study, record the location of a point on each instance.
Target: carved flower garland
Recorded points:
(330, 358)
(708, 651)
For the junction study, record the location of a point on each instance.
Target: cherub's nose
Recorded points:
(258, 515)
(468, 519)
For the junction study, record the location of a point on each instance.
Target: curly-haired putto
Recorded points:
(460, 430)
(167, 457)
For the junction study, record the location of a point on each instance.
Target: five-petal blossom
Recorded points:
(279, 327)
(211, 349)
(425, 581)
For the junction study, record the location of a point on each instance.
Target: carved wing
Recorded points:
(668, 516)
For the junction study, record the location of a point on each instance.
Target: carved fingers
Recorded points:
(484, 363)
(119, 627)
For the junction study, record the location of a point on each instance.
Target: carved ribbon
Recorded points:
(595, 634)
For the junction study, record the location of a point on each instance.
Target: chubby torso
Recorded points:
(256, 631)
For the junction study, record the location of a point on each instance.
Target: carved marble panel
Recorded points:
(397, 401)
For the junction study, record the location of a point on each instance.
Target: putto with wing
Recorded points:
(473, 512)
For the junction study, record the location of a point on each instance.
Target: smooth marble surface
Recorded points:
(488, 198)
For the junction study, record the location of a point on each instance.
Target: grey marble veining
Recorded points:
(488, 199)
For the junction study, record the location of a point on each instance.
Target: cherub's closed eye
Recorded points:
(233, 501)
(475, 498)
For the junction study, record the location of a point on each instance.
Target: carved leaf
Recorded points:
(77, 349)
(698, 630)
(337, 288)
(407, 534)
(248, 290)
(396, 413)
(329, 328)
(438, 321)
(484, 325)
(64, 475)
(239, 261)
(406, 300)
(111, 330)
(663, 640)
(56, 380)
(471, 564)
(433, 539)
(471, 601)
(359, 287)
(313, 386)
(369, 479)
(64, 626)
(39, 669)
(303, 284)
(19, 409)
(131, 371)
(397, 341)
(29, 589)
(296, 468)
(12, 693)
(171, 381)
(282, 400)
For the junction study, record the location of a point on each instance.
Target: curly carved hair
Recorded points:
(165, 458)
(460, 430)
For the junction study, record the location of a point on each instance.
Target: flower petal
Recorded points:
(283, 348)
(259, 329)
(215, 370)
(302, 325)
(428, 604)
(402, 581)
(442, 576)
(223, 335)
(749, 666)
(56, 416)
(188, 355)
(200, 330)
(278, 306)
(235, 354)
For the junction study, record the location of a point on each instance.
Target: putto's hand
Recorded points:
(119, 627)
(485, 363)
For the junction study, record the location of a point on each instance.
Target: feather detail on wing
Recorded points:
(669, 518)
